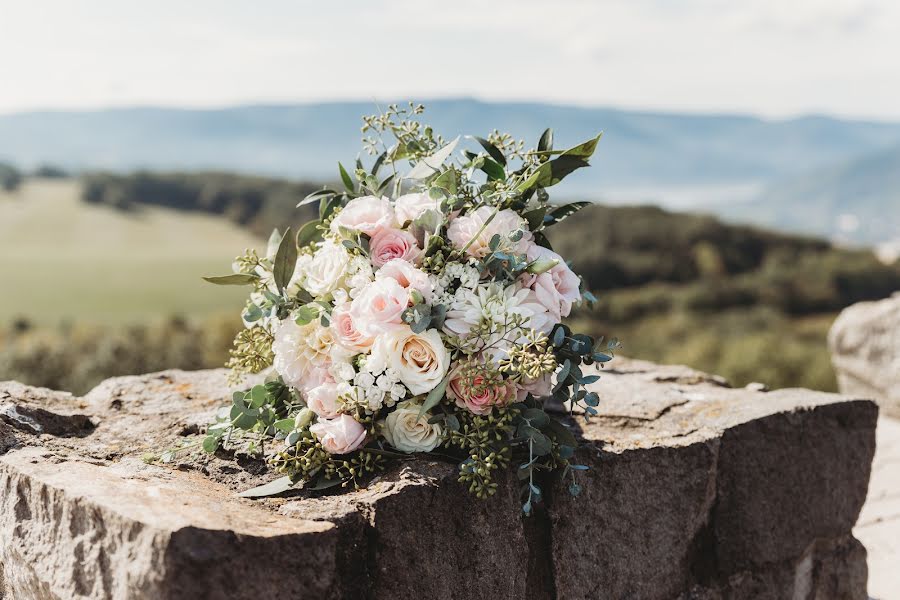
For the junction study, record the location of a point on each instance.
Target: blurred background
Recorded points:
(747, 186)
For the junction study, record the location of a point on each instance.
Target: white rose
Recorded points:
(367, 214)
(466, 228)
(419, 359)
(302, 354)
(409, 206)
(407, 432)
(323, 271)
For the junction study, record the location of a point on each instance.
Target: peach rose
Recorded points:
(477, 393)
(322, 400)
(367, 214)
(340, 435)
(379, 307)
(557, 288)
(346, 333)
(389, 244)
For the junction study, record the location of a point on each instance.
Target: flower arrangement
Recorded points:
(421, 313)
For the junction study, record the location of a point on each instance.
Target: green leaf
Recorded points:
(285, 260)
(536, 417)
(284, 425)
(546, 141)
(541, 444)
(431, 164)
(234, 279)
(317, 195)
(306, 314)
(566, 210)
(584, 149)
(493, 169)
(323, 484)
(309, 233)
(328, 206)
(280, 485)
(257, 396)
(535, 217)
(446, 180)
(561, 434)
(345, 177)
(492, 150)
(434, 396)
(210, 443)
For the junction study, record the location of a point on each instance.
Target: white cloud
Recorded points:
(763, 56)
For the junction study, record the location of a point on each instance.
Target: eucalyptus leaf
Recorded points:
(546, 141)
(278, 486)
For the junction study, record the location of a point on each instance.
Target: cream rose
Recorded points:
(408, 276)
(410, 206)
(340, 435)
(419, 359)
(407, 432)
(557, 288)
(505, 222)
(379, 307)
(367, 214)
(389, 244)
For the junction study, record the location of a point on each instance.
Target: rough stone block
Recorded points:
(695, 490)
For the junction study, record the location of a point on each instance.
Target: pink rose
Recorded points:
(557, 288)
(389, 244)
(379, 307)
(467, 227)
(475, 392)
(322, 400)
(346, 333)
(407, 276)
(409, 206)
(367, 214)
(340, 435)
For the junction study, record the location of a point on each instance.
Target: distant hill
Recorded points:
(305, 141)
(858, 201)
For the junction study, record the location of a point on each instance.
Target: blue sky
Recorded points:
(770, 57)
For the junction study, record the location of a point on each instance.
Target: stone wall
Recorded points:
(695, 490)
(865, 351)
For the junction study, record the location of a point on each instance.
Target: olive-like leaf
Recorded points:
(345, 177)
(434, 396)
(492, 150)
(285, 260)
(546, 141)
(309, 233)
(278, 486)
(233, 279)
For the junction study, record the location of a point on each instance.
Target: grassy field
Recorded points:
(62, 259)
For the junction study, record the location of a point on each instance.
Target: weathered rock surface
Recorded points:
(865, 350)
(695, 490)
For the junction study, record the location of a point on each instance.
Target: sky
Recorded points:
(776, 58)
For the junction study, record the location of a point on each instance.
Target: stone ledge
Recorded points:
(695, 490)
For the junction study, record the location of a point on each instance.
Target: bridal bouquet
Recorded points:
(421, 313)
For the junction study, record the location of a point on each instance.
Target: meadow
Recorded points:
(64, 260)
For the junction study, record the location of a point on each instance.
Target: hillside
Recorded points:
(857, 201)
(305, 141)
(64, 260)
